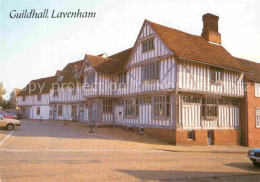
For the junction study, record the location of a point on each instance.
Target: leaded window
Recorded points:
(216, 74)
(161, 106)
(148, 45)
(150, 71)
(107, 105)
(190, 99)
(131, 107)
(210, 107)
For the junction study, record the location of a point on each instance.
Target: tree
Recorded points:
(2, 92)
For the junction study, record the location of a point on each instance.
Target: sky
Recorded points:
(36, 48)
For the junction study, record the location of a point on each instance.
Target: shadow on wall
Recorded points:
(167, 175)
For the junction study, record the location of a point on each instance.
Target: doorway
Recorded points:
(210, 137)
(94, 113)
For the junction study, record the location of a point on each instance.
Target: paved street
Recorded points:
(51, 151)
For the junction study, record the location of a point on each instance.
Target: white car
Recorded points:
(9, 124)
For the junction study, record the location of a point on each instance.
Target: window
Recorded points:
(161, 106)
(191, 135)
(148, 45)
(257, 89)
(146, 100)
(258, 117)
(209, 107)
(131, 107)
(39, 97)
(119, 102)
(216, 74)
(90, 79)
(190, 99)
(23, 98)
(122, 78)
(87, 65)
(234, 102)
(59, 110)
(107, 105)
(150, 71)
(38, 111)
(55, 93)
(224, 101)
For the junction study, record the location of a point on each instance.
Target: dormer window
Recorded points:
(148, 45)
(216, 74)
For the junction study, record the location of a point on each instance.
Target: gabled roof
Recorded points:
(68, 72)
(196, 48)
(112, 64)
(254, 68)
(36, 85)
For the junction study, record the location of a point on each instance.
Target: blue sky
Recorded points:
(35, 48)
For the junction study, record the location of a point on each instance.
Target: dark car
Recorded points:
(254, 155)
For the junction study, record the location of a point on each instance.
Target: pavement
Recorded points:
(52, 151)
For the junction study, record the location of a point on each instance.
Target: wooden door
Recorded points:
(94, 113)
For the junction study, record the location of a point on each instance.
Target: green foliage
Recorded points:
(2, 92)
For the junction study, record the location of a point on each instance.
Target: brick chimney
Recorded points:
(210, 28)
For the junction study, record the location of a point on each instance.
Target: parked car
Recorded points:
(254, 155)
(9, 124)
(8, 115)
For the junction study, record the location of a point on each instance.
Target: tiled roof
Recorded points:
(112, 64)
(254, 68)
(36, 85)
(68, 72)
(197, 48)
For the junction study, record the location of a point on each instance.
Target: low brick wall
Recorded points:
(221, 137)
(200, 138)
(164, 135)
(227, 137)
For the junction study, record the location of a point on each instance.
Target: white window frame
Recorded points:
(257, 117)
(257, 89)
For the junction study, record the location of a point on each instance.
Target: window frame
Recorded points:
(193, 135)
(257, 89)
(134, 111)
(161, 106)
(150, 71)
(216, 74)
(147, 45)
(205, 108)
(107, 106)
(257, 117)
